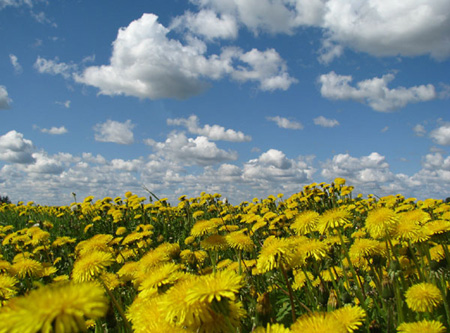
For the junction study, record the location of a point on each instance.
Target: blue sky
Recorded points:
(245, 98)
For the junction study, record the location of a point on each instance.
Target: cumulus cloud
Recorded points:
(214, 132)
(325, 122)
(54, 130)
(146, 63)
(189, 151)
(441, 135)
(286, 123)
(419, 130)
(54, 67)
(364, 170)
(14, 148)
(374, 92)
(208, 24)
(380, 28)
(386, 28)
(273, 168)
(16, 3)
(15, 63)
(115, 131)
(5, 101)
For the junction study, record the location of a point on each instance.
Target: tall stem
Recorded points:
(291, 297)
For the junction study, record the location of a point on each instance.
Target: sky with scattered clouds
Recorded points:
(246, 98)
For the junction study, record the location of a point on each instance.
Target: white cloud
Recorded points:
(5, 101)
(208, 24)
(15, 3)
(419, 130)
(441, 135)
(389, 28)
(54, 67)
(384, 129)
(325, 122)
(147, 64)
(374, 92)
(189, 151)
(267, 68)
(272, 169)
(15, 149)
(15, 63)
(380, 28)
(115, 131)
(54, 130)
(369, 173)
(286, 123)
(214, 132)
(66, 104)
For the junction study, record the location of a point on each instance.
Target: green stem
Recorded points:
(291, 298)
(117, 305)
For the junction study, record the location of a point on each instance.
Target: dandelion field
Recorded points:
(321, 260)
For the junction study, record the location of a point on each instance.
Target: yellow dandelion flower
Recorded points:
(223, 284)
(305, 222)
(61, 307)
(110, 280)
(272, 328)
(88, 227)
(159, 276)
(425, 326)
(438, 226)
(89, 266)
(204, 227)
(61, 241)
(336, 272)
(99, 242)
(229, 315)
(27, 267)
(239, 240)
(300, 279)
(318, 322)
(350, 316)
(364, 248)
(214, 243)
(409, 230)
(5, 266)
(423, 297)
(128, 271)
(120, 231)
(7, 287)
(380, 222)
(146, 316)
(332, 218)
(273, 252)
(417, 215)
(177, 310)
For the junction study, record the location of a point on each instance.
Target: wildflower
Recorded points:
(223, 284)
(62, 307)
(350, 316)
(275, 251)
(423, 297)
(214, 242)
(159, 276)
(27, 267)
(7, 286)
(438, 226)
(305, 222)
(300, 279)
(318, 322)
(91, 265)
(121, 231)
(332, 218)
(239, 240)
(204, 227)
(409, 230)
(380, 222)
(428, 326)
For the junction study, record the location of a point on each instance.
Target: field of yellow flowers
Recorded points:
(318, 261)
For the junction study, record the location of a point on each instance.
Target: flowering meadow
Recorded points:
(322, 260)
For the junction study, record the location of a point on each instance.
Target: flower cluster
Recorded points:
(320, 260)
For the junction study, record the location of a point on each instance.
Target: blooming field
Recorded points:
(318, 261)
